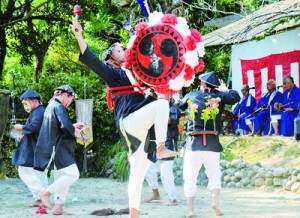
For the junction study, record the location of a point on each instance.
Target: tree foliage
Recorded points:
(38, 50)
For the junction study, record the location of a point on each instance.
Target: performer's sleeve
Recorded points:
(174, 116)
(106, 72)
(35, 123)
(277, 99)
(231, 97)
(296, 98)
(253, 104)
(298, 101)
(182, 103)
(65, 123)
(259, 104)
(235, 109)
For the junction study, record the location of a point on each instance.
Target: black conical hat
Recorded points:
(66, 88)
(210, 78)
(30, 94)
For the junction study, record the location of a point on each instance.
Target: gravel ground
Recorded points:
(90, 194)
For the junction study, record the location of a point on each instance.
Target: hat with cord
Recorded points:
(66, 89)
(108, 52)
(210, 78)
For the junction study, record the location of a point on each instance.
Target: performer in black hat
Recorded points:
(55, 146)
(202, 144)
(165, 166)
(23, 155)
(134, 114)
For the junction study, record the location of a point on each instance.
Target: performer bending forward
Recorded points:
(56, 147)
(134, 114)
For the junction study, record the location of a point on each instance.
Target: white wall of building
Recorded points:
(283, 42)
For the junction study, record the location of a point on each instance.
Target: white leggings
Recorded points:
(35, 180)
(63, 179)
(193, 160)
(165, 168)
(137, 124)
(275, 118)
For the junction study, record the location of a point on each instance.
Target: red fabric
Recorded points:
(256, 65)
(41, 210)
(120, 90)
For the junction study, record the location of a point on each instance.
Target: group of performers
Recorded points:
(136, 115)
(273, 114)
(49, 137)
(48, 141)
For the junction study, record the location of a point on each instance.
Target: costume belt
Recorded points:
(120, 90)
(203, 133)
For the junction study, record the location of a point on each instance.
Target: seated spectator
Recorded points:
(243, 109)
(287, 111)
(264, 108)
(296, 126)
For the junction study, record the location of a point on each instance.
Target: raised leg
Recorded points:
(163, 152)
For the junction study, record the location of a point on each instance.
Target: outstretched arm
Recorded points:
(77, 31)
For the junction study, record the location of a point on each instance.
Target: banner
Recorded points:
(145, 7)
(257, 72)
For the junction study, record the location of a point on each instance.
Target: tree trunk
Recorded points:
(3, 45)
(38, 67)
(4, 111)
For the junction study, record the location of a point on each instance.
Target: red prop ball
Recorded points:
(77, 10)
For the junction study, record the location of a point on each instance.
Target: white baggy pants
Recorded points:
(165, 168)
(35, 180)
(193, 161)
(137, 124)
(63, 179)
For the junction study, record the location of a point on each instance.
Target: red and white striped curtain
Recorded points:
(274, 66)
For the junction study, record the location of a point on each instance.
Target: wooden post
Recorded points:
(4, 109)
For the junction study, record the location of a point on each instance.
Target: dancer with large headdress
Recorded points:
(156, 61)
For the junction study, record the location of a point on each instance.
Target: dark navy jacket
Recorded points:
(198, 97)
(114, 77)
(173, 132)
(124, 104)
(23, 154)
(56, 131)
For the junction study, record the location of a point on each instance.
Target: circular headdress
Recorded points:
(164, 53)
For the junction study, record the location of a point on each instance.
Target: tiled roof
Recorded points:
(256, 24)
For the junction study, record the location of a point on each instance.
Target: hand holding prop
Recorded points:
(281, 106)
(262, 108)
(77, 12)
(86, 135)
